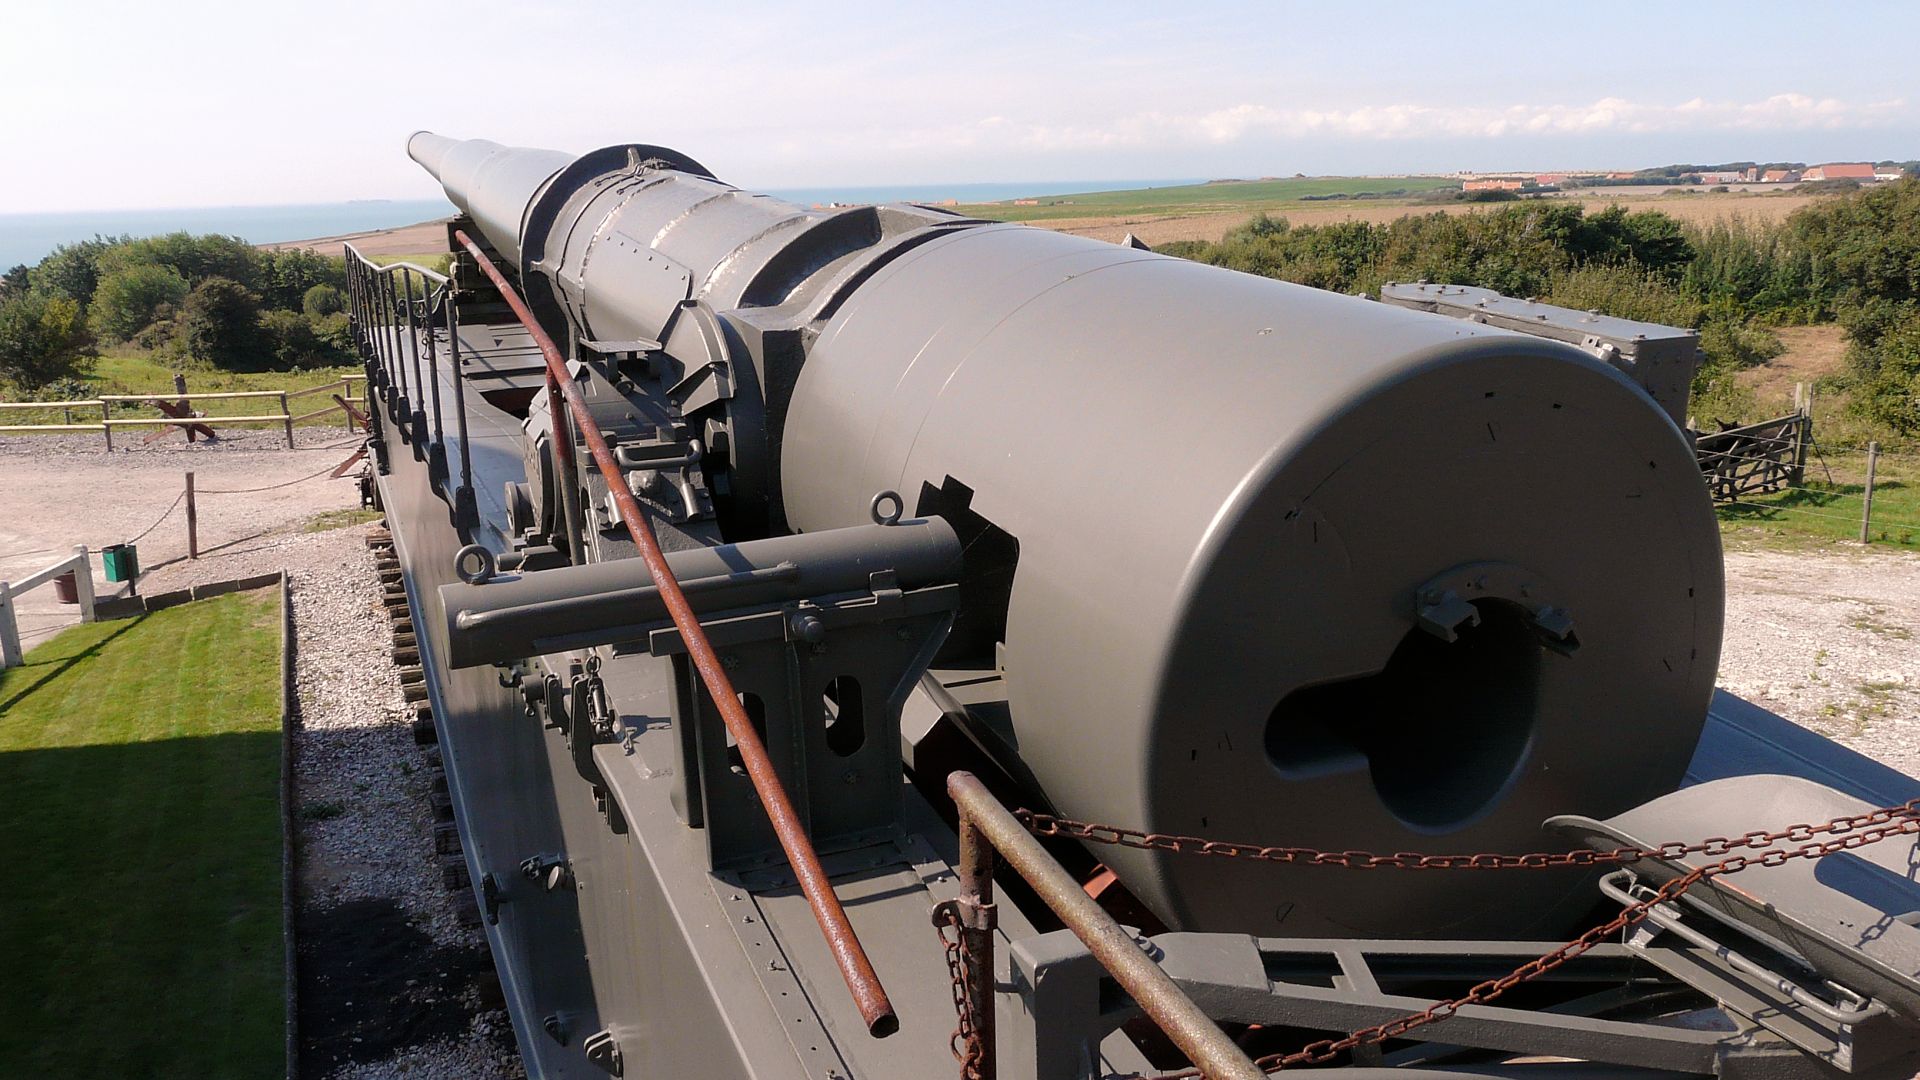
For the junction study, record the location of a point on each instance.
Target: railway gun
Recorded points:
(766, 559)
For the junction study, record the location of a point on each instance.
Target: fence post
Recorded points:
(83, 582)
(1866, 512)
(106, 414)
(9, 630)
(288, 413)
(180, 388)
(193, 523)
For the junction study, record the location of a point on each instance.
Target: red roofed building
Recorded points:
(1841, 171)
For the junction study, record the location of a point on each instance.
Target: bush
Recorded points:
(1626, 292)
(1883, 364)
(126, 301)
(220, 325)
(323, 300)
(195, 258)
(42, 338)
(336, 332)
(73, 270)
(286, 277)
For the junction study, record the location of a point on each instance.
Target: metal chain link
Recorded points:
(1849, 832)
(1716, 846)
(963, 1041)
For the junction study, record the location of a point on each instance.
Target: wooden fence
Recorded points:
(1755, 458)
(179, 411)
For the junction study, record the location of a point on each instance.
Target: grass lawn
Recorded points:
(436, 261)
(1823, 512)
(1231, 195)
(139, 821)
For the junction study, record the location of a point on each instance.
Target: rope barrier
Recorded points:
(156, 521)
(269, 487)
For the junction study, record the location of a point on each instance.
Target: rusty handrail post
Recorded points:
(977, 924)
(1192, 1030)
(868, 995)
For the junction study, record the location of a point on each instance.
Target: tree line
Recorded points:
(211, 301)
(1853, 258)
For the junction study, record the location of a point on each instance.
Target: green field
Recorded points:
(1822, 512)
(134, 372)
(140, 915)
(1217, 197)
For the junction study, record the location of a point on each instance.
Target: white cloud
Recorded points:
(1249, 122)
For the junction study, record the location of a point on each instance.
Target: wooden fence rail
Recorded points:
(179, 413)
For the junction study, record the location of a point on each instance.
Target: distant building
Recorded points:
(1889, 172)
(1026, 202)
(1780, 176)
(1553, 178)
(1723, 177)
(1839, 171)
(1496, 183)
(1623, 176)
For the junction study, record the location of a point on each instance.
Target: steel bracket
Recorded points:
(604, 1050)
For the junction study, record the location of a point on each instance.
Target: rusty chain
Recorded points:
(1848, 832)
(1048, 825)
(965, 1047)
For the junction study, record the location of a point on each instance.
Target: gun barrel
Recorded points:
(494, 184)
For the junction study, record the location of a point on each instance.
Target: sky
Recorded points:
(188, 103)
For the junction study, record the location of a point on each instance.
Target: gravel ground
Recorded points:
(63, 490)
(1827, 640)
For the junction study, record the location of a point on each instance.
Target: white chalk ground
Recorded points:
(1825, 638)
(58, 491)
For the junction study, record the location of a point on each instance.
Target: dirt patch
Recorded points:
(425, 238)
(1809, 353)
(372, 984)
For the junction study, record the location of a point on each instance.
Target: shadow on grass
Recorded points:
(141, 924)
(56, 666)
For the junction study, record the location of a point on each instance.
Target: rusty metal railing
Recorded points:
(398, 328)
(868, 995)
(989, 830)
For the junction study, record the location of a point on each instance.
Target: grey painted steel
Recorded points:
(573, 607)
(1848, 914)
(1226, 489)
(1226, 493)
(1662, 359)
(641, 244)
(494, 184)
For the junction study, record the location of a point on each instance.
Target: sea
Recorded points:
(28, 238)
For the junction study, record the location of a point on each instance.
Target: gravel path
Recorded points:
(64, 490)
(1827, 640)
(355, 758)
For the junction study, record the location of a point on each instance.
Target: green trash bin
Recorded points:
(122, 562)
